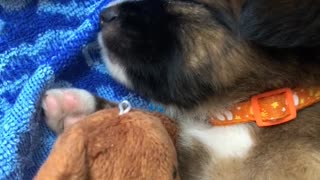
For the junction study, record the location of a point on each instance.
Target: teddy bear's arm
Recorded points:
(67, 159)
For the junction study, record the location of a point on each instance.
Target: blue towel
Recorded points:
(46, 44)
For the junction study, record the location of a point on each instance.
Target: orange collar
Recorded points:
(270, 108)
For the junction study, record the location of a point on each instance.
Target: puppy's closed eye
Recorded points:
(281, 23)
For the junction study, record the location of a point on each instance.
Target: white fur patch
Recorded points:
(114, 69)
(116, 2)
(224, 142)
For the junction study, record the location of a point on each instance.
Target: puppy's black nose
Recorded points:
(109, 14)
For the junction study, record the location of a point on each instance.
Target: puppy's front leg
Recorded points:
(64, 107)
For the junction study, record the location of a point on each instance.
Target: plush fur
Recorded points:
(198, 57)
(136, 146)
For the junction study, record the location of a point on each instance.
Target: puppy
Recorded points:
(201, 57)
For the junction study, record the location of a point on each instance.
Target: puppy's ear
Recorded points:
(281, 23)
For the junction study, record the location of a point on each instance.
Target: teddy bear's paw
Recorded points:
(64, 107)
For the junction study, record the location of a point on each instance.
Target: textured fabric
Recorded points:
(45, 44)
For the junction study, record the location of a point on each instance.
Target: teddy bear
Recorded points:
(113, 145)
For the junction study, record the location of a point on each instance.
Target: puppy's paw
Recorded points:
(64, 107)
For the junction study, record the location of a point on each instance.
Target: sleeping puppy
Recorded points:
(201, 57)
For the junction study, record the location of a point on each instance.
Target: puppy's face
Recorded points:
(174, 52)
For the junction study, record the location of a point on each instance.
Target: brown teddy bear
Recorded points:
(136, 145)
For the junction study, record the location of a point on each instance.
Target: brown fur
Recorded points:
(235, 67)
(192, 159)
(289, 151)
(107, 146)
(230, 69)
(204, 64)
(293, 146)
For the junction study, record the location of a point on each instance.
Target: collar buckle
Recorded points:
(257, 103)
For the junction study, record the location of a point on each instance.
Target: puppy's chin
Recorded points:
(117, 71)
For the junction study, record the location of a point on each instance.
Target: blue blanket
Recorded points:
(46, 44)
